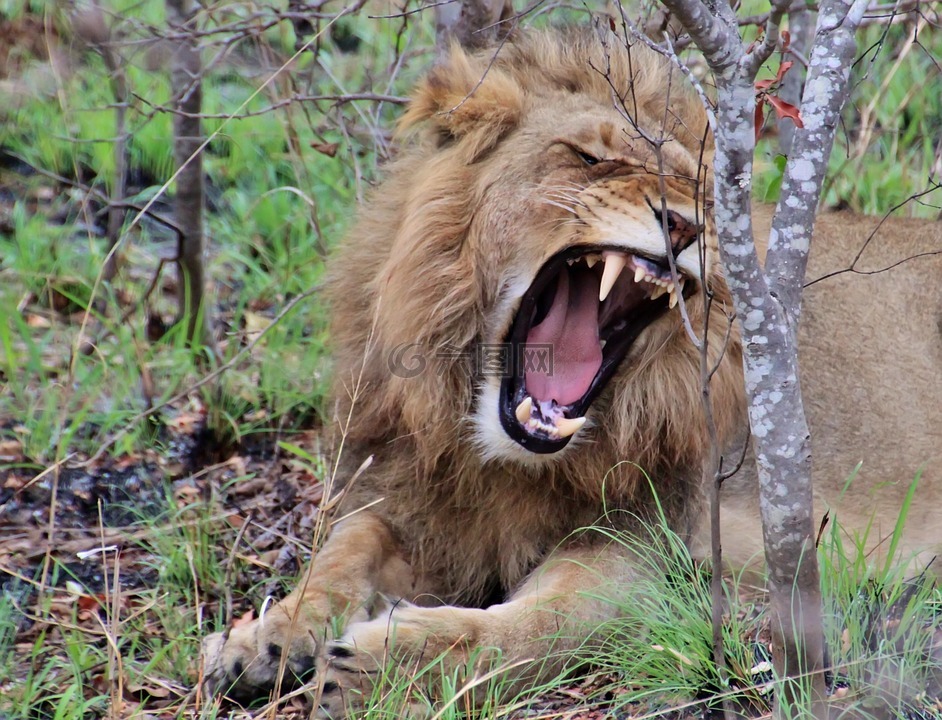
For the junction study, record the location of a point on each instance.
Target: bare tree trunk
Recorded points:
(89, 24)
(801, 30)
(767, 304)
(188, 200)
(473, 23)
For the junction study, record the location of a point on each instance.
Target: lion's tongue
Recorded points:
(571, 329)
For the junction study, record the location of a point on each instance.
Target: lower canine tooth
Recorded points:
(523, 410)
(569, 426)
(673, 300)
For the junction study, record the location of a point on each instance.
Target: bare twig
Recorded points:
(209, 377)
(338, 99)
(852, 268)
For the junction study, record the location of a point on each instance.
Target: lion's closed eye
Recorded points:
(588, 158)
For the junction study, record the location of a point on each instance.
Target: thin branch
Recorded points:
(712, 33)
(340, 99)
(209, 377)
(852, 268)
(763, 51)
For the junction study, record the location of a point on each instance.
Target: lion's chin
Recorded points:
(574, 326)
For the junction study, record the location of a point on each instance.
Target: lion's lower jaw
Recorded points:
(494, 445)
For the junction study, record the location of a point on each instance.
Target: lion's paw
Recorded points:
(355, 661)
(406, 636)
(242, 663)
(403, 633)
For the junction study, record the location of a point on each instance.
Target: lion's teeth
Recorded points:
(523, 410)
(639, 274)
(674, 295)
(590, 260)
(568, 426)
(614, 264)
(670, 287)
(657, 291)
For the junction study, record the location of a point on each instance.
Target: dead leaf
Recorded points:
(37, 321)
(785, 109)
(138, 691)
(328, 149)
(11, 451)
(14, 482)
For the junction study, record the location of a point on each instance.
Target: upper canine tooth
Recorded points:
(568, 426)
(639, 274)
(523, 410)
(614, 264)
(673, 298)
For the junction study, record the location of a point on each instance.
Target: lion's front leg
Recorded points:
(359, 560)
(533, 633)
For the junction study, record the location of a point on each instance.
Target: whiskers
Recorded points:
(565, 197)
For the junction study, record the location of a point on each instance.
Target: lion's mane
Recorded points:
(421, 279)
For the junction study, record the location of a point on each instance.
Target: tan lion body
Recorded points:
(871, 363)
(455, 517)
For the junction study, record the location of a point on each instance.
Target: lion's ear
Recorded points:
(467, 99)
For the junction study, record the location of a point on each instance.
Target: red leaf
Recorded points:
(782, 69)
(785, 109)
(786, 40)
(766, 84)
(91, 602)
(760, 117)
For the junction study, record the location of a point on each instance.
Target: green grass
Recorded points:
(887, 150)
(880, 626)
(278, 204)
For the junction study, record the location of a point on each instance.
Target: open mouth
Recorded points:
(574, 326)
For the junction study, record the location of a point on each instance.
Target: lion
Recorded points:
(512, 369)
